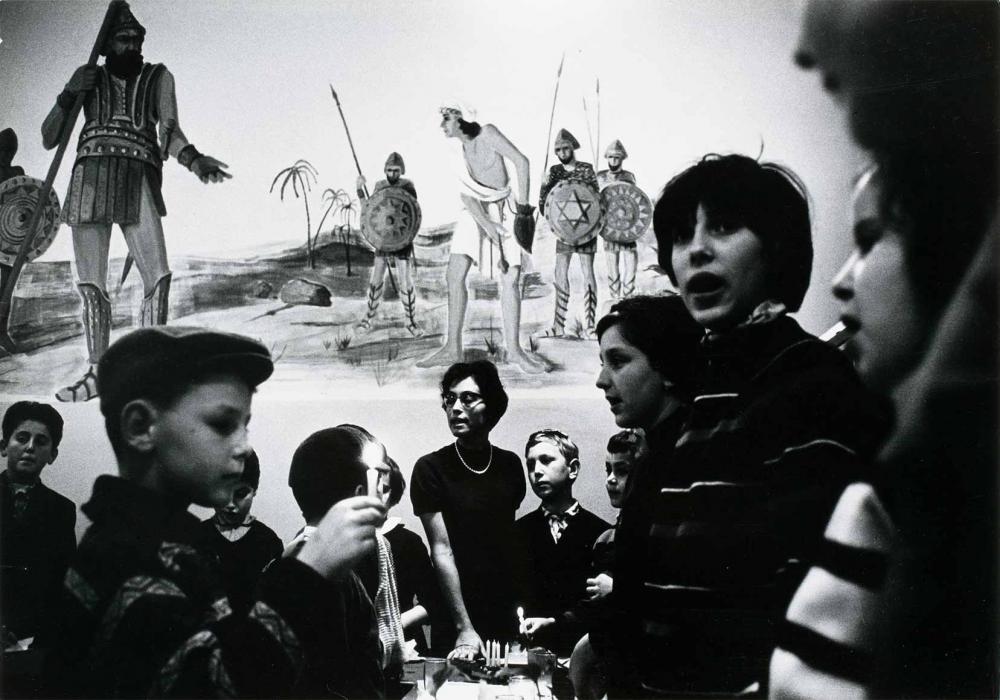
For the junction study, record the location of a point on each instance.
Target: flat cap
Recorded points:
(144, 362)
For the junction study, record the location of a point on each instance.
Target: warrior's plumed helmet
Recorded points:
(564, 138)
(122, 19)
(615, 148)
(395, 161)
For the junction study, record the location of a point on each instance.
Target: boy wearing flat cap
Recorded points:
(143, 611)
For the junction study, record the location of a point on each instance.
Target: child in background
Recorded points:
(586, 669)
(332, 465)
(243, 544)
(559, 539)
(418, 594)
(38, 526)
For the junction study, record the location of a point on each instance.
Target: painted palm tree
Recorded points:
(349, 209)
(299, 175)
(333, 200)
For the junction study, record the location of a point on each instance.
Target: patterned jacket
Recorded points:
(143, 613)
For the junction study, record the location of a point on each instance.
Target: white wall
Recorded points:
(409, 428)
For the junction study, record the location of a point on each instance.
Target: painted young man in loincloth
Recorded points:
(485, 191)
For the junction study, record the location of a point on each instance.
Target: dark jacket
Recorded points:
(35, 550)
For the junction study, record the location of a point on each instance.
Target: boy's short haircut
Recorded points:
(486, 376)
(625, 442)
(328, 467)
(161, 363)
(33, 410)
(251, 470)
(397, 484)
(567, 447)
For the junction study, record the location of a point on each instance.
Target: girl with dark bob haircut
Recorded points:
(777, 425)
(739, 191)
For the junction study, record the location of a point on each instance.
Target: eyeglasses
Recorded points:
(468, 399)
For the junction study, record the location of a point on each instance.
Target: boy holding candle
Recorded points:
(143, 612)
(558, 539)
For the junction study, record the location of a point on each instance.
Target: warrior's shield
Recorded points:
(627, 212)
(390, 219)
(574, 212)
(18, 196)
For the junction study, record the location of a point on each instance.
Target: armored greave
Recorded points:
(96, 319)
(615, 285)
(590, 308)
(409, 299)
(154, 304)
(374, 299)
(562, 304)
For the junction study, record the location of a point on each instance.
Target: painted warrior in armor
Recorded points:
(400, 259)
(130, 128)
(622, 258)
(569, 168)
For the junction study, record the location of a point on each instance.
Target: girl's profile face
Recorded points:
(878, 301)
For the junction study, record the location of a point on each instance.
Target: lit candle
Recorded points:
(520, 620)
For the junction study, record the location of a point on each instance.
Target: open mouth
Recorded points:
(705, 283)
(851, 324)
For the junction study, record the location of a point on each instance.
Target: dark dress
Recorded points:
(478, 511)
(241, 562)
(35, 550)
(559, 573)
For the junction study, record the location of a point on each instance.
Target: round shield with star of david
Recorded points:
(18, 196)
(627, 212)
(390, 219)
(574, 212)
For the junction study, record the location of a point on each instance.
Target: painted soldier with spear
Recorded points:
(384, 257)
(622, 257)
(569, 169)
(131, 126)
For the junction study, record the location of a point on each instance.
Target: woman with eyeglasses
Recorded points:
(466, 495)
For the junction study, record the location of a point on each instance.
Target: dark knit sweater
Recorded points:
(241, 562)
(780, 426)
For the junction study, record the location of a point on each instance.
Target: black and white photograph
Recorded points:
(633, 349)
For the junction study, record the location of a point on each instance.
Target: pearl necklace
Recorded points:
(466, 464)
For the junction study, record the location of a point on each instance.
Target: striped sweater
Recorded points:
(781, 424)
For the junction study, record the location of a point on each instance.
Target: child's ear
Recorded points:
(361, 490)
(55, 453)
(3, 448)
(138, 425)
(574, 469)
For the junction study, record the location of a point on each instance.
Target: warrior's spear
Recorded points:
(590, 136)
(598, 120)
(552, 115)
(348, 132)
(7, 294)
